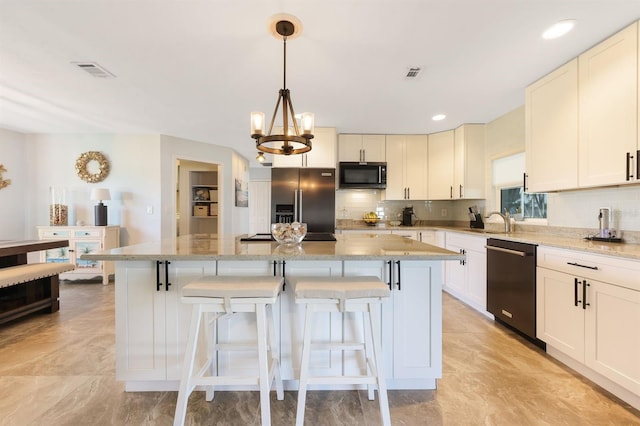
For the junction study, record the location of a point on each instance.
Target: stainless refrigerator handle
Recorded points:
(295, 205)
(300, 207)
(508, 251)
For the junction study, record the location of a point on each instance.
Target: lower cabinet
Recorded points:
(151, 322)
(411, 319)
(588, 308)
(467, 279)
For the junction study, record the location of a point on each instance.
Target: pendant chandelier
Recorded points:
(296, 137)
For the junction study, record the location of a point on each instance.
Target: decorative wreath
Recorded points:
(83, 161)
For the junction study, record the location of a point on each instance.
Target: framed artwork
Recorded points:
(242, 193)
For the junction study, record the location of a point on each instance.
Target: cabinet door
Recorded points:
(374, 147)
(612, 340)
(349, 147)
(140, 323)
(324, 147)
(327, 326)
(559, 322)
(396, 172)
(468, 170)
(441, 165)
(608, 122)
(415, 155)
(454, 274)
(82, 246)
(417, 321)
(476, 278)
(551, 130)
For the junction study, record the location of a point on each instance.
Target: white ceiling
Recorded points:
(196, 69)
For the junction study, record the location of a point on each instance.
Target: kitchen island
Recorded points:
(152, 324)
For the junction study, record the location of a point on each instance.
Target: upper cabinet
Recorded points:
(362, 148)
(468, 162)
(322, 154)
(406, 167)
(456, 163)
(440, 156)
(551, 131)
(608, 105)
(582, 121)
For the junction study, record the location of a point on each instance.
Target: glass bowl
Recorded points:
(371, 220)
(289, 233)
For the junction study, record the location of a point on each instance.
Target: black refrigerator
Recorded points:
(305, 195)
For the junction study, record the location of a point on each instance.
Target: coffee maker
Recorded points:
(407, 216)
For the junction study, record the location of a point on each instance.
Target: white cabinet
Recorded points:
(468, 168)
(411, 318)
(551, 131)
(467, 279)
(151, 324)
(608, 105)
(587, 308)
(406, 167)
(361, 148)
(327, 325)
(82, 240)
(322, 154)
(440, 166)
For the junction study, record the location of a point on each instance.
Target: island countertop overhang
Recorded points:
(346, 247)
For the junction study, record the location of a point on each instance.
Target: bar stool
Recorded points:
(343, 294)
(217, 297)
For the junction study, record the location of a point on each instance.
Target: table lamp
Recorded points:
(100, 210)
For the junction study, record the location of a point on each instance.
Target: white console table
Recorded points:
(82, 240)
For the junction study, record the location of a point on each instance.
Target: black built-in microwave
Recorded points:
(362, 175)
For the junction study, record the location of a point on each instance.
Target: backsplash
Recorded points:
(353, 204)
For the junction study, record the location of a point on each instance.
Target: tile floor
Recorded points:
(59, 369)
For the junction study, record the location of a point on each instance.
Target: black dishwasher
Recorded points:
(511, 285)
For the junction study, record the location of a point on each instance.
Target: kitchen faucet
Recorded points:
(506, 217)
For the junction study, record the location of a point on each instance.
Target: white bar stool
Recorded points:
(223, 296)
(343, 294)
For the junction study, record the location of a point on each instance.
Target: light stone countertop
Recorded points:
(567, 238)
(347, 247)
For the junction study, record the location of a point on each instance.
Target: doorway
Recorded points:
(197, 200)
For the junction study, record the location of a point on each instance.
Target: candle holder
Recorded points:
(58, 209)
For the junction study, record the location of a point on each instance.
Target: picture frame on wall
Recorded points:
(242, 193)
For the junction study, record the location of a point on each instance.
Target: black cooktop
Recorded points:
(311, 236)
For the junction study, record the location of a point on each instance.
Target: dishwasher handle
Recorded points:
(508, 251)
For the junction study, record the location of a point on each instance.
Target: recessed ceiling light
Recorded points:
(559, 29)
(438, 117)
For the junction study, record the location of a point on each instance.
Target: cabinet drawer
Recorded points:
(61, 233)
(616, 271)
(87, 233)
(469, 242)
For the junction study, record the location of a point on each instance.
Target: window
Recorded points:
(507, 181)
(516, 201)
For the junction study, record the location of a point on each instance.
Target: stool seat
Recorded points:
(339, 287)
(240, 287)
(352, 295)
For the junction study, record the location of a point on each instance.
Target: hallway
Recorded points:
(59, 369)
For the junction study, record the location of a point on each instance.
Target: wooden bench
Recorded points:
(29, 288)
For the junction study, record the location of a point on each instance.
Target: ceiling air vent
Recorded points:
(94, 69)
(412, 73)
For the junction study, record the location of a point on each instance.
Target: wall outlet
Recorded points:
(443, 212)
(149, 209)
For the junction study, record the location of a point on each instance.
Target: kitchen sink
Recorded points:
(487, 231)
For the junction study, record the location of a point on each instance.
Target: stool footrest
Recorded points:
(338, 346)
(342, 380)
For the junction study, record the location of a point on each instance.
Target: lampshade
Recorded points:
(100, 194)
